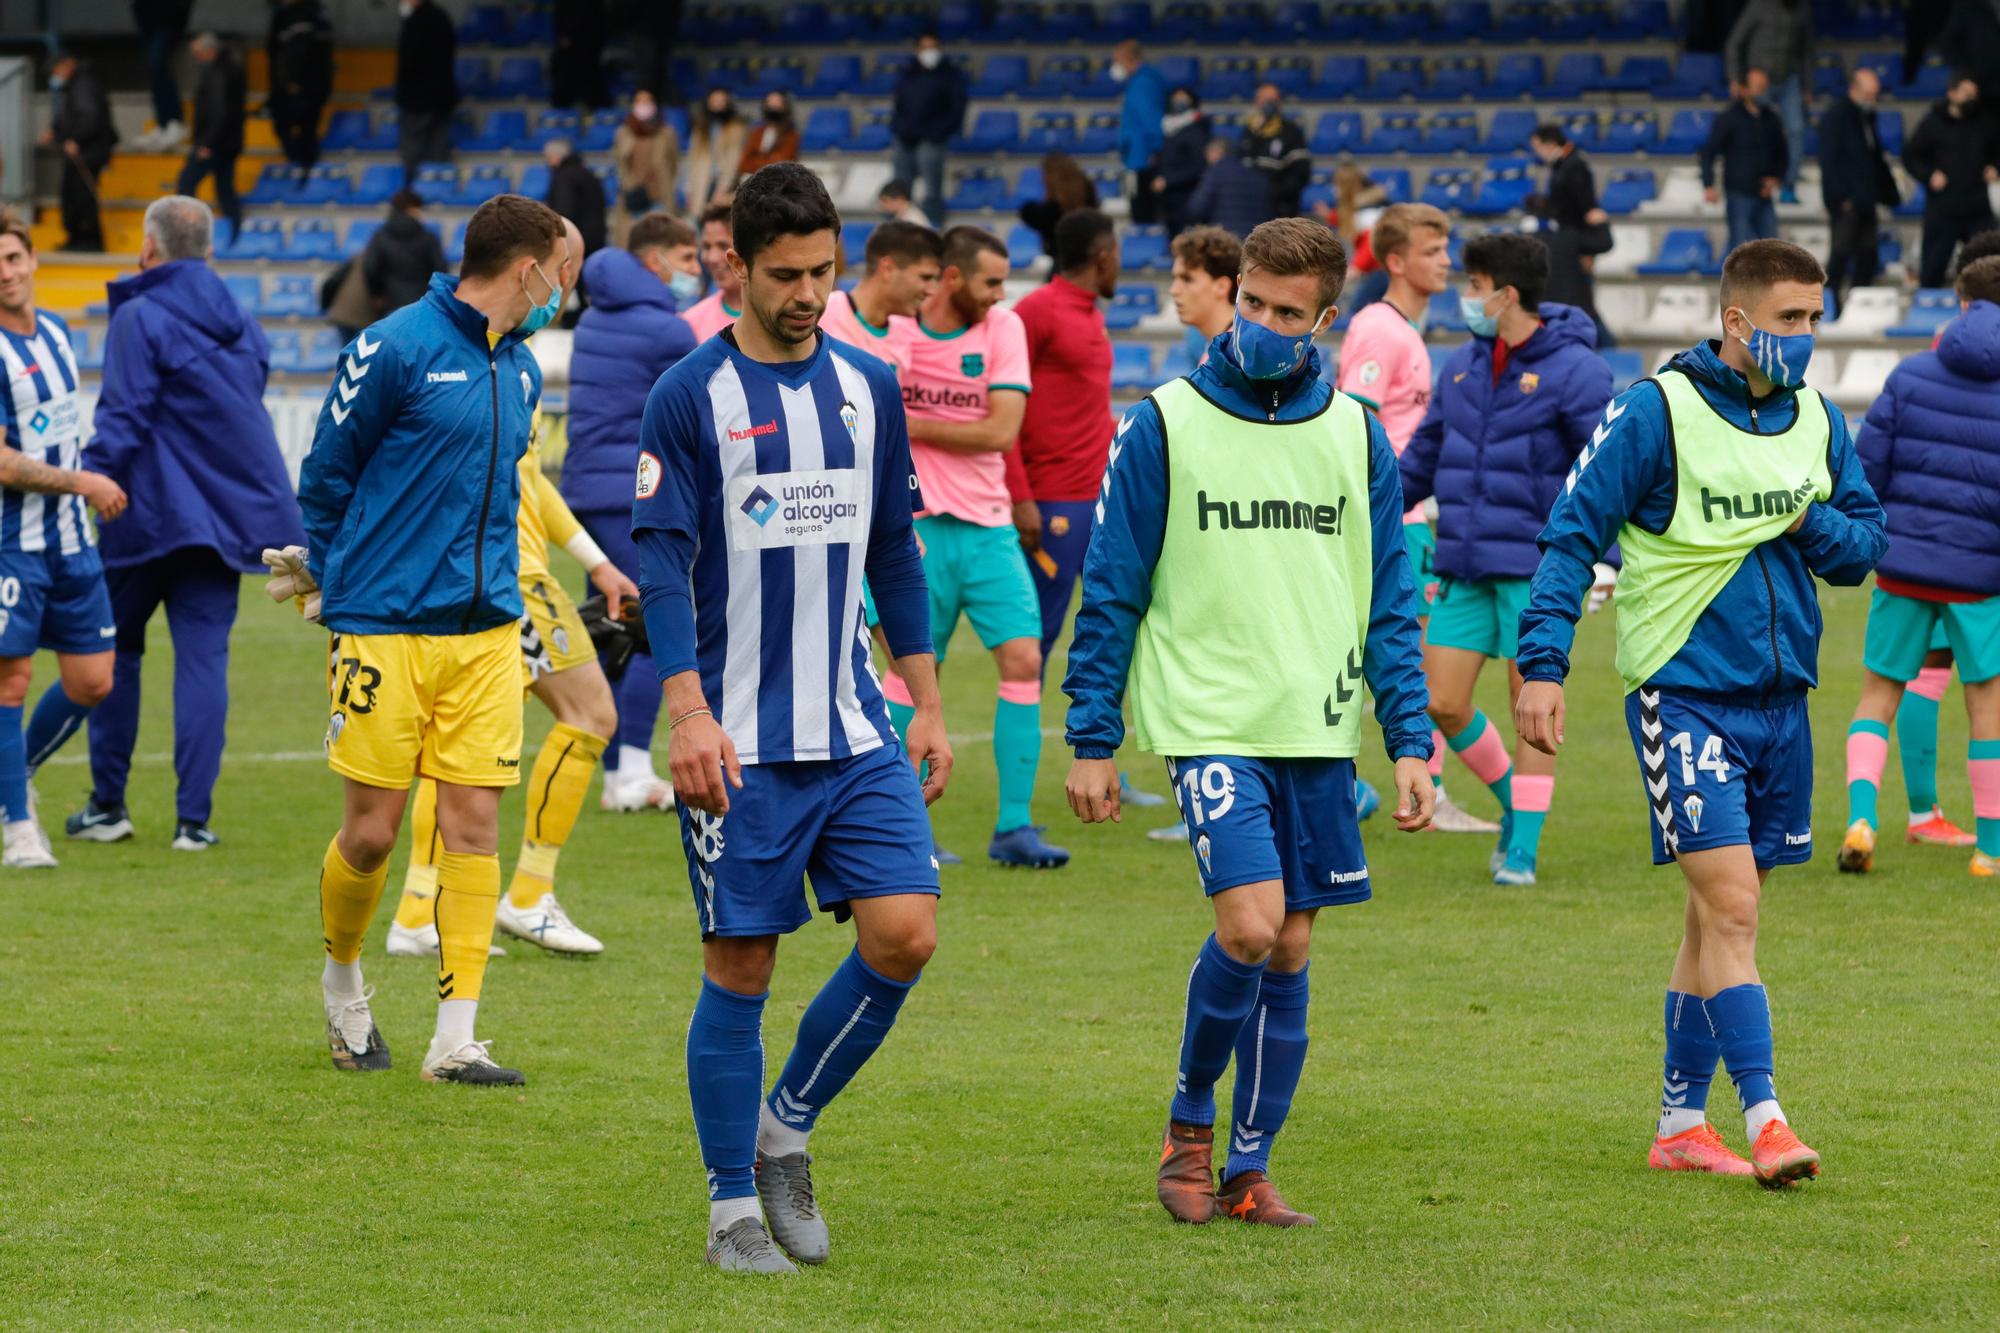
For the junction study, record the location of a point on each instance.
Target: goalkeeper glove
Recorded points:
(1601, 589)
(291, 580)
(615, 638)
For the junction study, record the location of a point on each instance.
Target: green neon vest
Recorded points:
(1734, 491)
(1252, 643)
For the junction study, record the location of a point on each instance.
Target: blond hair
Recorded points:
(1288, 247)
(1399, 225)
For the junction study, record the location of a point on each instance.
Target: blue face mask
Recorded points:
(540, 316)
(1473, 310)
(1782, 358)
(685, 286)
(1266, 354)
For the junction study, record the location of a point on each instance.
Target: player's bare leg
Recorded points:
(1867, 757)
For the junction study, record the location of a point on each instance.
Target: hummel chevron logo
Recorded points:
(1341, 690)
(354, 372)
(790, 1109)
(347, 392)
(363, 346)
(1612, 412)
(363, 349)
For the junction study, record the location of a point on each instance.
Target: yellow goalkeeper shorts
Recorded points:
(553, 637)
(443, 706)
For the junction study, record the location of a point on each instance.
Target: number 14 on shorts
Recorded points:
(1711, 760)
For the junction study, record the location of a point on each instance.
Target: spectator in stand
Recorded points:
(1573, 226)
(629, 337)
(1276, 148)
(300, 52)
(1064, 190)
(897, 206)
(1971, 42)
(1856, 181)
(576, 193)
(716, 148)
(929, 107)
(80, 125)
(1139, 131)
(1177, 168)
(651, 29)
(774, 139)
(647, 155)
(1233, 195)
(181, 426)
(218, 126)
(1751, 143)
(1776, 36)
(1953, 155)
(400, 258)
(161, 25)
(722, 306)
(576, 65)
(426, 85)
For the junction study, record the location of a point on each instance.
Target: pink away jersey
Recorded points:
(1383, 360)
(946, 377)
(708, 316)
(843, 322)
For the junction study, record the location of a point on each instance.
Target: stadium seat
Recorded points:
(1627, 189)
(1524, 21)
(1460, 21)
(1641, 74)
(534, 27)
(1395, 182)
(828, 128)
(881, 81)
(1063, 78)
(1001, 76)
(261, 238)
(549, 125)
(1395, 78)
(1297, 18)
(1340, 78)
(1027, 187)
(1455, 79)
(483, 25)
(1685, 250)
(311, 240)
(382, 137)
(1127, 18)
(1697, 75)
(854, 241)
(873, 136)
(1578, 73)
(1580, 125)
(1684, 312)
(1291, 75)
(1504, 189)
(1051, 132)
(520, 76)
(1146, 248)
(292, 294)
(600, 129)
(803, 23)
(1624, 306)
(326, 185)
(1687, 131)
(1397, 133)
(454, 250)
(1132, 367)
(475, 76)
(1024, 246)
(500, 132)
(344, 130)
(1627, 367)
(436, 182)
(479, 185)
(1452, 132)
(1631, 131)
(1869, 314)
(1930, 310)
(838, 74)
(1230, 79)
(1176, 364)
(244, 289)
(1517, 75)
(1680, 196)
(977, 192)
(1335, 133)
(1099, 135)
(277, 183)
(1131, 305)
(1863, 374)
(1449, 187)
(359, 234)
(534, 181)
(1445, 314)
(1889, 124)
(285, 355)
(1508, 132)
(1635, 20)
(991, 132)
(378, 182)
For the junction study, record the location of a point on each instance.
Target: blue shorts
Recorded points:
(1251, 820)
(856, 826)
(1724, 775)
(56, 601)
(1066, 529)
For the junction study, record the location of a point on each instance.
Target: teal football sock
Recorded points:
(1916, 747)
(1017, 753)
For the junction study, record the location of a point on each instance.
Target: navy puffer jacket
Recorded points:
(1931, 449)
(629, 337)
(1495, 455)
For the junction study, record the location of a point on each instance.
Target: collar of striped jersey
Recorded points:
(795, 372)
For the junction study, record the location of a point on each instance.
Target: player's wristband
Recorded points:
(692, 712)
(587, 552)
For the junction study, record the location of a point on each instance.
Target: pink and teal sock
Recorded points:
(1983, 765)
(1917, 738)
(901, 707)
(1017, 749)
(1867, 756)
(1437, 758)
(1532, 796)
(1482, 751)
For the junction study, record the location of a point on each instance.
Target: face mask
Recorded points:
(1782, 358)
(930, 58)
(1266, 354)
(1182, 104)
(685, 286)
(645, 112)
(1118, 73)
(1473, 310)
(56, 83)
(775, 114)
(539, 316)
(1267, 109)
(724, 113)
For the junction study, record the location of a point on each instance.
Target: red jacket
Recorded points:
(1066, 430)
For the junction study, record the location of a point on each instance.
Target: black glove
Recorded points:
(615, 638)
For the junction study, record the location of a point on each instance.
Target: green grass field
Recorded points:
(176, 1151)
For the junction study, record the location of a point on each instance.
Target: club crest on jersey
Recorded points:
(1694, 807)
(851, 418)
(972, 365)
(561, 636)
(334, 726)
(1530, 382)
(1204, 852)
(1059, 526)
(649, 477)
(527, 388)
(1370, 371)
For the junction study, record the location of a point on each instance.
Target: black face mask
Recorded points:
(1267, 109)
(727, 113)
(777, 115)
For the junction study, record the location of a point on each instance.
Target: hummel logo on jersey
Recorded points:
(1758, 505)
(1799, 839)
(752, 432)
(760, 504)
(445, 377)
(1290, 515)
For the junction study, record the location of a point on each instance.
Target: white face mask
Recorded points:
(407, 8)
(930, 57)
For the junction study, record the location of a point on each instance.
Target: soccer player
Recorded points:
(559, 667)
(1718, 642)
(774, 473)
(723, 306)
(1513, 407)
(1932, 453)
(1385, 367)
(411, 497)
(1252, 473)
(52, 592)
(1203, 289)
(899, 272)
(966, 390)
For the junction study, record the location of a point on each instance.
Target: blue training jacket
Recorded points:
(1132, 524)
(1931, 449)
(181, 424)
(410, 494)
(1758, 641)
(1495, 455)
(629, 337)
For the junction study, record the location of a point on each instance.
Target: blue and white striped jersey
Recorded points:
(43, 419)
(778, 487)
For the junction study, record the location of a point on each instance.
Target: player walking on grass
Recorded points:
(774, 472)
(1931, 449)
(1252, 473)
(52, 592)
(1728, 486)
(411, 496)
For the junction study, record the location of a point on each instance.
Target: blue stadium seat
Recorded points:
(978, 192)
(378, 182)
(484, 25)
(1450, 187)
(873, 136)
(1509, 131)
(1062, 78)
(881, 80)
(1635, 20)
(261, 238)
(1577, 73)
(244, 289)
(1060, 23)
(827, 128)
(326, 185)
(277, 183)
(1398, 132)
(960, 19)
(1929, 85)
(1697, 74)
(1177, 363)
(1888, 249)
(1452, 132)
(1187, 22)
(1400, 23)
(436, 182)
(1230, 79)
(1685, 250)
(1930, 310)
(475, 76)
(1340, 78)
(1627, 189)
(1504, 189)
(1631, 131)
(293, 294)
(1517, 75)
(1241, 21)
(1460, 21)
(1524, 21)
(382, 137)
(1444, 316)
(1687, 131)
(479, 185)
(1024, 245)
(854, 241)
(1050, 132)
(454, 250)
(1099, 135)
(549, 125)
(1829, 76)
(837, 75)
(1128, 18)
(312, 240)
(500, 132)
(803, 23)
(1299, 18)
(1889, 124)
(1580, 124)
(1108, 181)
(1395, 181)
(89, 350)
(344, 130)
(284, 345)
(1145, 248)
(1627, 367)
(1348, 21)
(1290, 75)
(1180, 71)
(1132, 367)
(1336, 132)
(1001, 76)
(1640, 74)
(520, 76)
(991, 132)
(359, 234)
(534, 181)
(1395, 78)
(1028, 187)
(533, 27)
(1455, 79)
(599, 131)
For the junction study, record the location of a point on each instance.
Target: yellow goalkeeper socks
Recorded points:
(468, 895)
(420, 881)
(556, 792)
(347, 900)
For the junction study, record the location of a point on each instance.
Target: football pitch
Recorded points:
(176, 1150)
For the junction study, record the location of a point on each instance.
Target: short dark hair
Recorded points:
(1980, 280)
(715, 213)
(1755, 267)
(1287, 247)
(1959, 76)
(963, 245)
(661, 231)
(904, 242)
(1979, 247)
(406, 200)
(896, 189)
(1194, 98)
(505, 228)
(782, 199)
(1511, 260)
(1213, 251)
(1080, 233)
(1550, 133)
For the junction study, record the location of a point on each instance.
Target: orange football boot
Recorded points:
(1857, 849)
(1938, 831)
(1187, 1172)
(1251, 1197)
(1697, 1149)
(1984, 866)
(1779, 1158)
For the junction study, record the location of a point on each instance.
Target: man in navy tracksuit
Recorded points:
(631, 335)
(1511, 411)
(181, 426)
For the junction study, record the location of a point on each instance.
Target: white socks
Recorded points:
(1679, 1120)
(1760, 1115)
(775, 1138)
(342, 979)
(454, 1027)
(634, 763)
(726, 1213)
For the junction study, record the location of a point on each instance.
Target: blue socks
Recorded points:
(13, 765)
(725, 1060)
(1017, 753)
(1692, 1052)
(1741, 1019)
(57, 718)
(842, 1027)
(1221, 993)
(1270, 1056)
